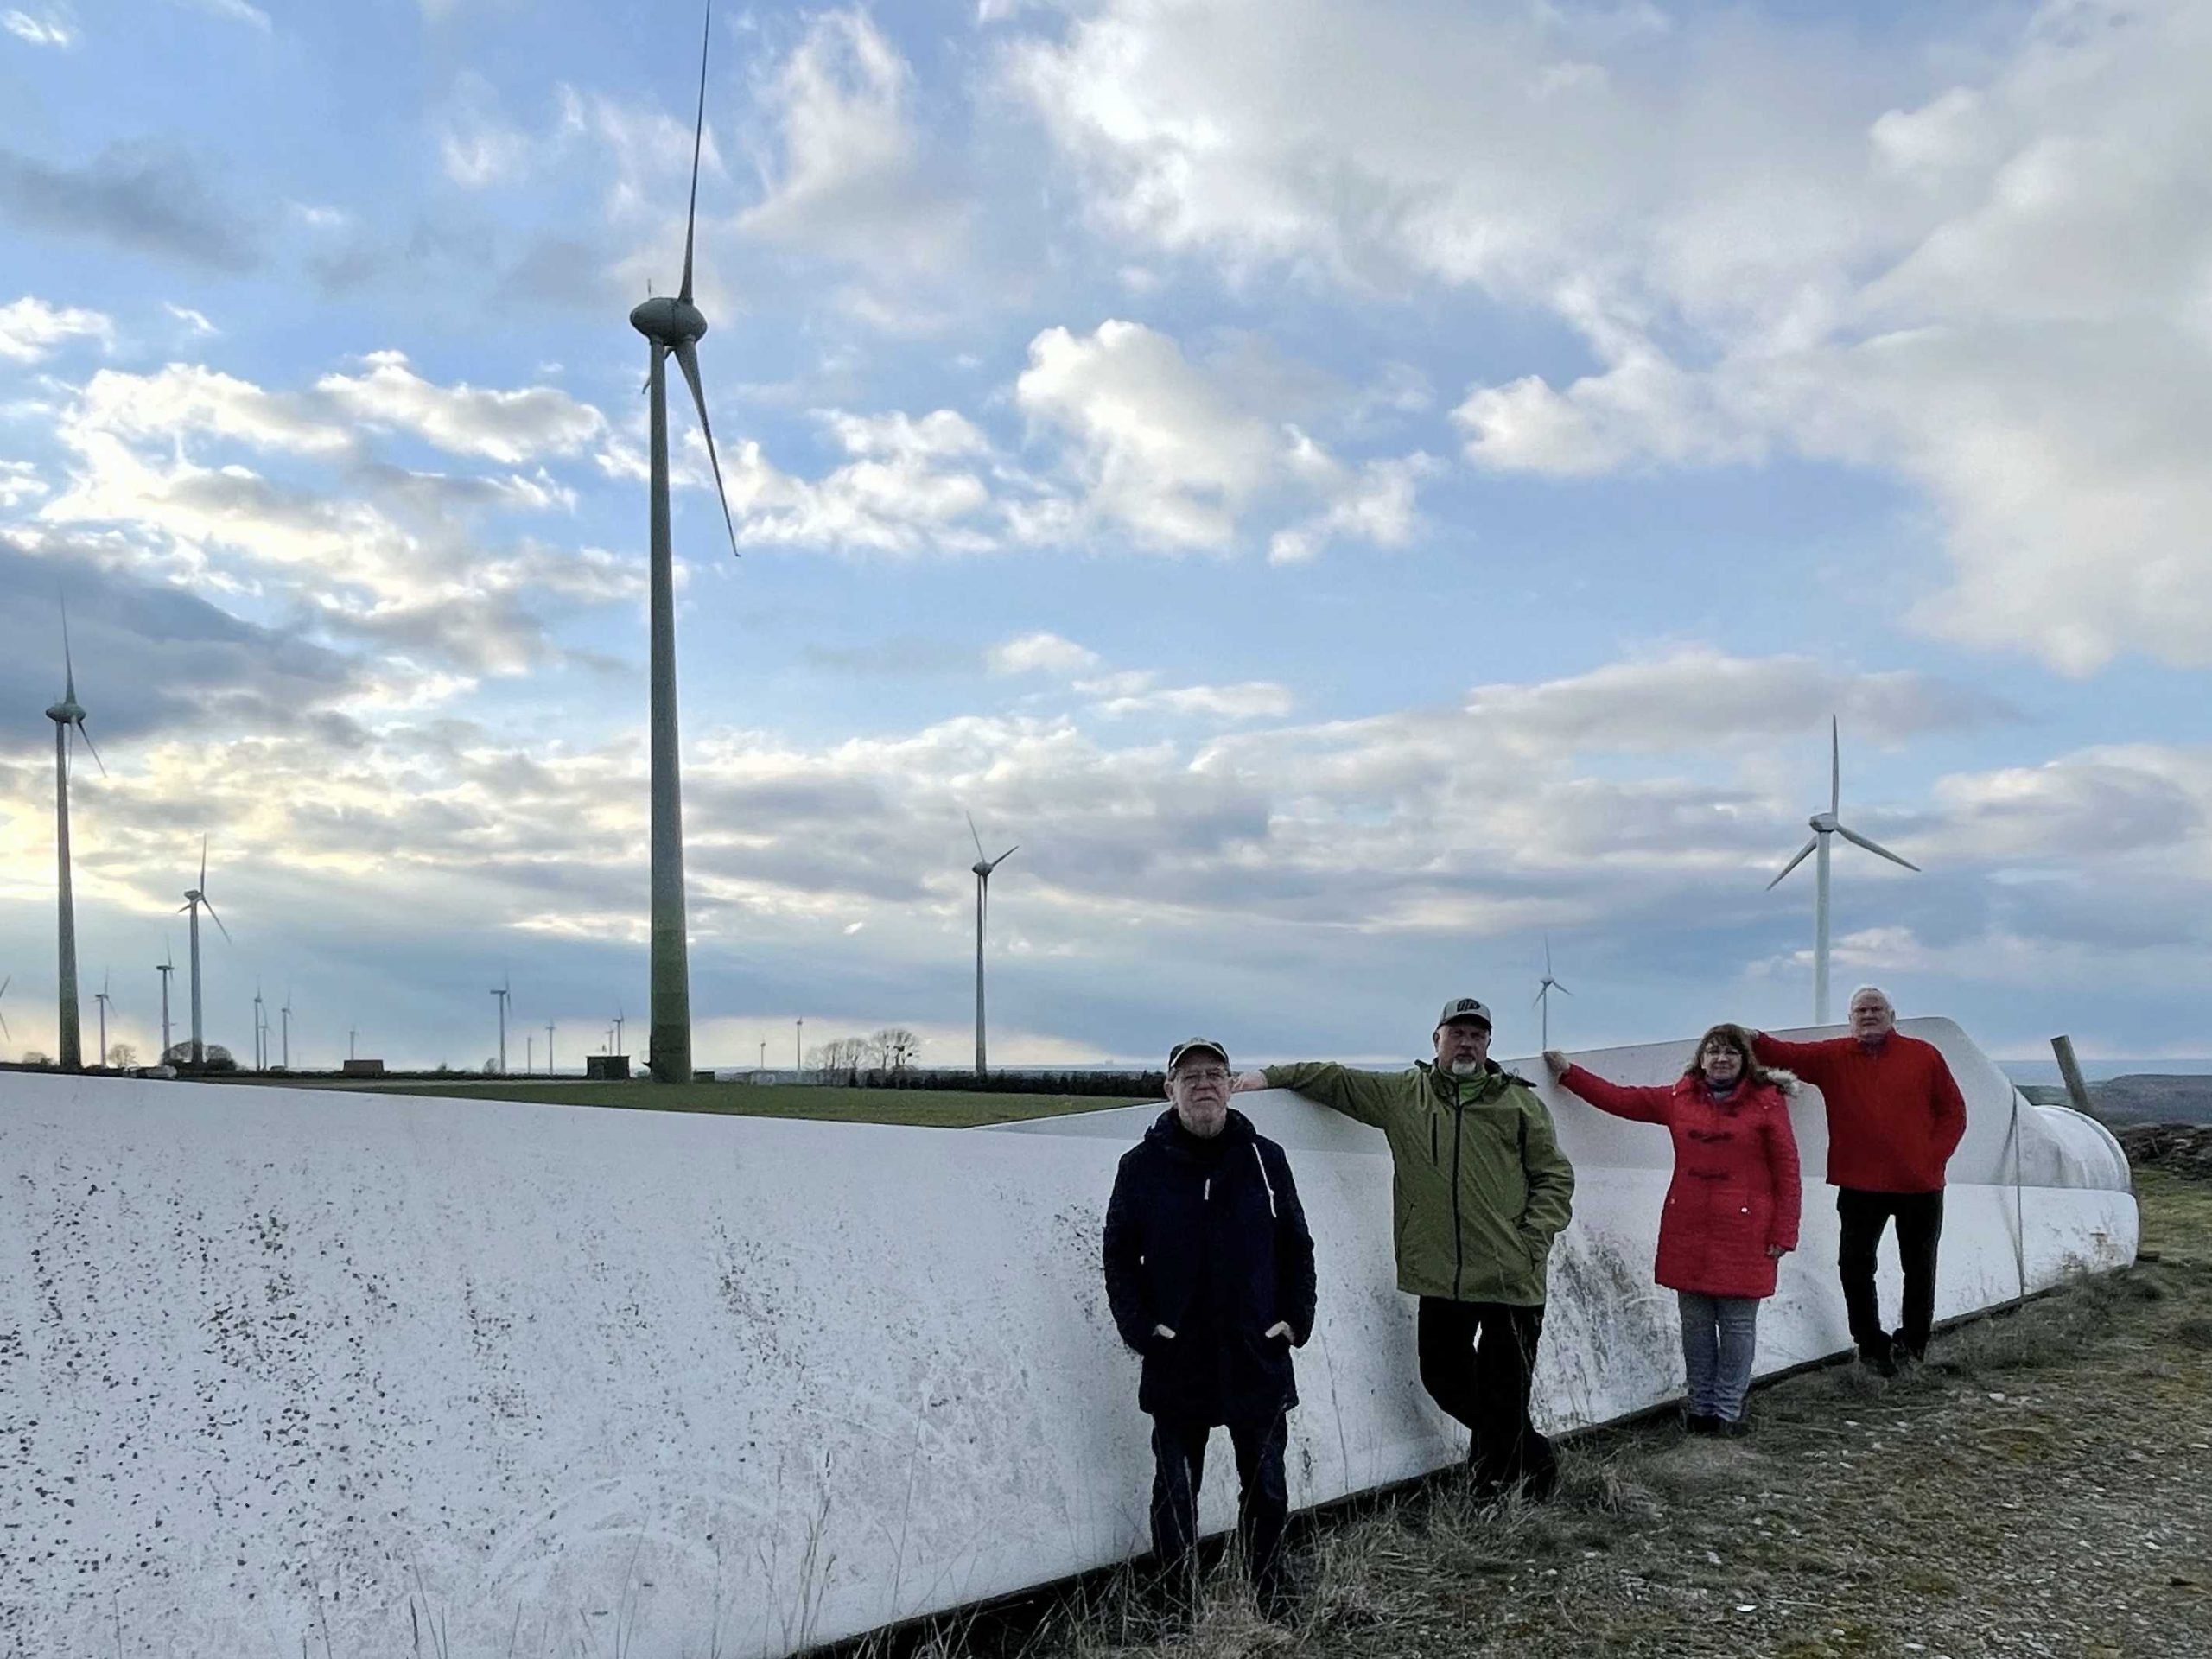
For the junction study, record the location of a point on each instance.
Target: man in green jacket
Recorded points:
(1480, 1189)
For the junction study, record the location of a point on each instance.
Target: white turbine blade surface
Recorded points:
(687, 359)
(203, 863)
(1858, 840)
(218, 920)
(981, 857)
(1005, 855)
(1835, 767)
(68, 663)
(698, 136)
(1560, 987)
(87, 736)
(1803, 853)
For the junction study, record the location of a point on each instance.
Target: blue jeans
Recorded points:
(1719, 1336)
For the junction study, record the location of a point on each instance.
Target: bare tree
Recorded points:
(894, 1048)
(123, 1056)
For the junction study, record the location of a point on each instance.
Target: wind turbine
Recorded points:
(193, 899)
(100, 996)
(549, 1048)
(68, 716)
(1825, 825)
(1544, 993)
(286, 1014)
(165, 968)
(4, 984)
(503, 990)
(260, 1028)
(619, 1021)
(983, 867)
(673, 327)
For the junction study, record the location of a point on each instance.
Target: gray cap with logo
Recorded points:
(1464, 1009)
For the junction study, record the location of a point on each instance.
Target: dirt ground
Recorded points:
(2043, 1486)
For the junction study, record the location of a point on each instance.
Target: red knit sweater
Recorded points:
(1895, 1113)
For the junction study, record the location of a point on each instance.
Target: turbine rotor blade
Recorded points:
(1005, 855)
(203, 863)
(87, 736)
(698, 137)
(1558, 987)
(1835, 767)
(687, 359)
(218, 920)
(981, 857)
(1858, 840)
(68, 663)
(1802, 854)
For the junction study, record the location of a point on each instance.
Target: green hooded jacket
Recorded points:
(1479, 1187)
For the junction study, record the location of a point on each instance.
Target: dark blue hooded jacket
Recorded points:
(1207, 1237)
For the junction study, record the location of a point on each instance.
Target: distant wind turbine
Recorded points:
(549, 1048)
(165, 968)
(503, 990)
(68, 718)
(983, 867)
(619, 1021)
(260, 1028)
(1544, 993)
(4, 984)
(673, 327)
(285, 1012)
(100, 996)
(195, 898)
(1825, 825)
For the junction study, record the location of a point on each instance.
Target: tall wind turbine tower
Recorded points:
(260, 1028)
(1825, 825)
(4, 1031)
(165, 968)
(68, 718)
(1544, 993)
(549, 1048)
(195, 898)
(285, 1012)
(620, 1020)
(983, 867)
(100, 996)
(503, 990)
(673, 327)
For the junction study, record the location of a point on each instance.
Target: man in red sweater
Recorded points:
(1895, 1116)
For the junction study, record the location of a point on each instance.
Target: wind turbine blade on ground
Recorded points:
(1858, 840)
(687, 359)
(698, 137)
(1803, 853)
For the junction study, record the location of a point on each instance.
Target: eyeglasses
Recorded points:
(1203, 1074)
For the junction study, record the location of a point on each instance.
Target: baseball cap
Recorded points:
(1195, 1045)
(1461, 1008)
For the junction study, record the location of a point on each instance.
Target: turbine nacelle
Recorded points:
(67, 712)
(1824, 824)
(668, 322)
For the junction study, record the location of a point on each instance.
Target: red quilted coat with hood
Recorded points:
(1735, 1190)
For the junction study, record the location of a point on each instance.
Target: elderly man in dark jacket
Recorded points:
(1209, 1272)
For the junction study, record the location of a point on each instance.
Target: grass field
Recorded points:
(931, 1108)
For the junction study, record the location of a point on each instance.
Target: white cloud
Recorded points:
(1046, 653)
(510, 427)
(30, 329)
(1997, 289)
(849, 182)
(196, 321)
(478, 146)
(233, 12)
(54, 29)
(1374, 505)
(186, 400)
(903, 491)
(20, 483)
(1246, 700)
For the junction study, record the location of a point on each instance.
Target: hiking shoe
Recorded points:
(1699, 1422)
(1733, 1427)
(1907, 1353)
(1878, 1360)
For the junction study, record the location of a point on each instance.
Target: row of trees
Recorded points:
(892, 1049)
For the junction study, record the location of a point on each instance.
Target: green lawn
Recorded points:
(944, 1109)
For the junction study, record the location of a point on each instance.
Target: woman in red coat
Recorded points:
(1730, 1212)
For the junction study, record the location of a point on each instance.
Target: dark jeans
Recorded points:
(1178, 1466)
(1477, 1361)
(1920, 1227)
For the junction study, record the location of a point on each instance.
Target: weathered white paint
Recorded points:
(278, 1362)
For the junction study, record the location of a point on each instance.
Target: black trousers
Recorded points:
(1478, 1360)
(1178, 1467)
(1920, 1228)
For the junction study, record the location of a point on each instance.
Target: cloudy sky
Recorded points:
(1352, 491)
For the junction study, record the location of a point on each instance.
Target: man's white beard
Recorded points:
(1466, 1068)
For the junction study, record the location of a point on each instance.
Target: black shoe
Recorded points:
(1878, 1358)
(1734, 1428)
(1907, 1353)
(1698, 1422)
